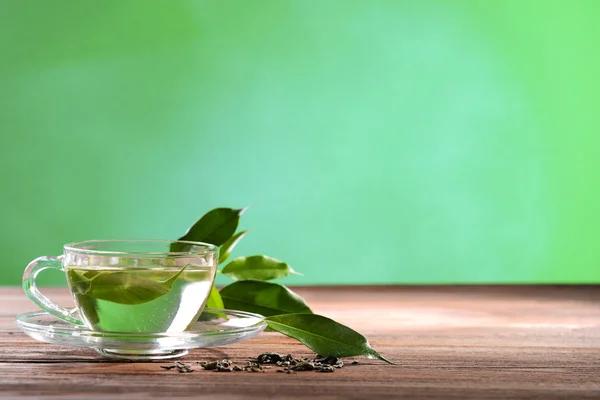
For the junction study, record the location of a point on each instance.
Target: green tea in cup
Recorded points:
(146, 299)
(131, 285)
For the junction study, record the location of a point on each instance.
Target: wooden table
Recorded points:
(448, 342)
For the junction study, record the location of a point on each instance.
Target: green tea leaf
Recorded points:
(265, 298)
(209, 314)
(261, 268)
(80, 279)
(229, 245)
(214, 299)
(89, 304)
(128, 287)
(324, 336)
(215, 227)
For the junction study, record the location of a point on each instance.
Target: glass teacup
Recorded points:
(130, 285)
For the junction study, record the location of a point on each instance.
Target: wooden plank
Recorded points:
(449, 343)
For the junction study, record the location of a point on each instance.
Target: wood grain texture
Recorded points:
(448, 342)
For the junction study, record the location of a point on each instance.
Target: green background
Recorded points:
(377, 141)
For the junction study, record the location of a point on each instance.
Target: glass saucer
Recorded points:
(215, 328)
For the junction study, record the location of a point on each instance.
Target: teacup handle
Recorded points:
(31, 290)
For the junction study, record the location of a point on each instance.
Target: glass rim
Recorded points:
(202, 248)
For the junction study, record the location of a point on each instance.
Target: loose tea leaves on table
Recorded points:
(318, 364)
(272, 358)
(263, 362)
(227, 366)
(181, 367)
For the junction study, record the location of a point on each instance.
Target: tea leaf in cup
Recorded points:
(265, 298)
(80, 279)
(227, 247)
(89, 304)
(127, 287)
(261, 268)
(214, 227)
(214, 299)
(324, 336)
